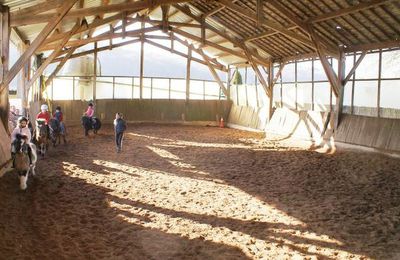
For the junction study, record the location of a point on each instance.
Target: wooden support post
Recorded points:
(124, 26)
(95, 73)
(141, 63)
(271, 88)
(203, 30)
(111, 33)
(228, 83)
(24, 80)
(172, 40)
(165, 13)
(188, 73)
(339, 99)
(379, 83)
(5, 50)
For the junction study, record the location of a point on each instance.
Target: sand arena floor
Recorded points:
(182, 192)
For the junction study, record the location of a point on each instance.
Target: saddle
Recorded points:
(94, 121)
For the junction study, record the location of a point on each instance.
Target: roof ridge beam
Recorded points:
(90, 11)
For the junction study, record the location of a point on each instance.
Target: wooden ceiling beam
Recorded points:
(106, 36)
(330, 73)
(235, 42)
(272, 25)
(210, 44)
(38, 8)
(329, 16)
(216, 63)
(213, 72)
(52, 56)
(333, 50)
(84, 53)
(351, 72)
(216, 10)
(349, 10)
(178, 53)
(25, 57)
(94, 24)
(134, 6)
(373, 46)
(60, 65)
(260, 77)
(165, 17)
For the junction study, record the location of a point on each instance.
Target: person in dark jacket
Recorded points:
(59, 116)
(119, 127)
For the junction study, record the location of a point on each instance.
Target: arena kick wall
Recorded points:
(164, 111)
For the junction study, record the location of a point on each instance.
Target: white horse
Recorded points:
(20, 148)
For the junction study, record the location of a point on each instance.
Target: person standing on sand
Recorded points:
(119, 127)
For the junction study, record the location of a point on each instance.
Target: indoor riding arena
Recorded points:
(205, 129)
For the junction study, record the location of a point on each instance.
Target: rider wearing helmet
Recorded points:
(90, 113)
(44, 114)
(58, 115)
(24, 131)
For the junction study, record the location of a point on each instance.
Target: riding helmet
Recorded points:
(22, 118)
(44, 107)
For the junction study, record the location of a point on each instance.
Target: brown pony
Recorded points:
(19, 148)
(42, 136)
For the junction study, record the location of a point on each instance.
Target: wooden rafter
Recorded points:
(213, 72)
(165, 17)
(130, 6)
(52, 56)
(333, 50)
(235, 42)
(349, 10)
(330, 73)
(270, 24)
(84, 53)
(214, 61)
(351, 72)
(182, 54)
(107, 36)
(210, 44)
(60, 65)
(36, 43)
(38, 8)
(96, 23)
(257, 71)
(281, 66)
(373, 46)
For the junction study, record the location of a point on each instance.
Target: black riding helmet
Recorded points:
(58, 108)
(90, 104)
(22, 118)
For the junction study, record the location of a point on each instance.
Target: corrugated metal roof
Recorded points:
(379, 23)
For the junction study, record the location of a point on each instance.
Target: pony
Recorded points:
(88, 124)
(42, 136)
(20, 148)
(56, 131)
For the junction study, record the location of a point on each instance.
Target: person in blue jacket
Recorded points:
(119, 127)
